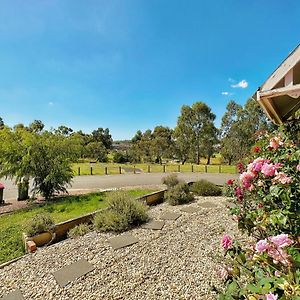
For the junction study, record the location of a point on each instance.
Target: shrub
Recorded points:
(110, 220)
(38, 224)
(119, 158)
(265, 203)
(79, 230)
(206, 188)
(171, 180)
(179, 194)
(123, 214)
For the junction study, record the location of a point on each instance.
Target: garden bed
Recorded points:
(177, 262)
(70, 207)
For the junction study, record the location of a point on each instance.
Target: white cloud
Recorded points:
(231, 80)
(50, 103)
(242, 84)
(226, 94)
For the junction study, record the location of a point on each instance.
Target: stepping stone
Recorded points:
(72, 272)
(207, 205)
(16, 295)
(122, 241)
(170, 216)
(190, 209)
(155, 225)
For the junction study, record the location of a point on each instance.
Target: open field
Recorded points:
(11, 245)
(87, 168)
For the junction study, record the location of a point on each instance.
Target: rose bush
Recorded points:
(265, 203)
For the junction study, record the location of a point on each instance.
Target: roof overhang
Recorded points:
(279, 96)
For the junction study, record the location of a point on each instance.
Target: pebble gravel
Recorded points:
(177, 262)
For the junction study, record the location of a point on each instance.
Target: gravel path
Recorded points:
(178, 262)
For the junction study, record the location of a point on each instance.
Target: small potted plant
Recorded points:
(40, 229)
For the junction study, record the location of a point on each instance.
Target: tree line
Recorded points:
(46, 155)
(196, 136)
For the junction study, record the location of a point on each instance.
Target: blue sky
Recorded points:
(132, 64)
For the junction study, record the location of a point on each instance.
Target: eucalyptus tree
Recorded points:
(194, 126)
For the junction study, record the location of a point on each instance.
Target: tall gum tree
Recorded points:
(193, 128)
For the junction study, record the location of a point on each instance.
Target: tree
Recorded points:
(138, 136)
(14, 154)
(64, 130)
(45, 157)
(209, 141)
(119, 157)
(50, 157)
(162, 143)
(96, 150)
(192, 126)
(103, 136)
(238, 128)
(36, 126)
(230, 131)
(1, 123)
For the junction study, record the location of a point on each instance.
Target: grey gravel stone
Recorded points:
(177, 262)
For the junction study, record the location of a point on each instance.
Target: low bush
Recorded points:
(38, 224)
(206, 188)
(110, 220)
(79, 230)
(171, 180)
(123, 213)
(179, 194)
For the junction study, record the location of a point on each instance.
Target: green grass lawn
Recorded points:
(11, 225)
(113, 168)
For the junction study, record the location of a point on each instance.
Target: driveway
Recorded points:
(124, 180)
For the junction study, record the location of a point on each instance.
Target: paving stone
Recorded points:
(170, 216)
(154, 224)
(207, 204)
(72, 272)
(16, 295)
(122, 241)
(190, 209)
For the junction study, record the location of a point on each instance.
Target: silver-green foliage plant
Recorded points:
(79, 230)
(170, 180)
(39, 224)
(179, 194)
(122, 214)
(206, 188)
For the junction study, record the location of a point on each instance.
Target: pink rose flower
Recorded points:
(281, 240)
(298, 167)
(246, 178)
(275, 143)
(239, 193)
(271, 296)
(226, 241)
(1, 186)
(268, 170)
(282, 178)
(262, 246)
(279, 256)
(224, 273)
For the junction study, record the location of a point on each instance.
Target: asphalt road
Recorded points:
(123, 180)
